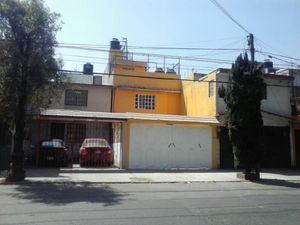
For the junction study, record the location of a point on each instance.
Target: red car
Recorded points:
(95, 152)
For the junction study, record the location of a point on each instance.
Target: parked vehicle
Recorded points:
(53, 152)
(95, 152)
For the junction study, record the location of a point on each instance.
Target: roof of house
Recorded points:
(266, 75)
(111, 116)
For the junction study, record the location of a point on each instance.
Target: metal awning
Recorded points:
(120, 117)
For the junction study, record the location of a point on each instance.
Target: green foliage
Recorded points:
(243, 118)
(28, 69)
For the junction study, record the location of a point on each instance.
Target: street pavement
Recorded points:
(273, 202)
(111, 175)
(90, 196)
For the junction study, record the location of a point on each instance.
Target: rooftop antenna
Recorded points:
(125, 48)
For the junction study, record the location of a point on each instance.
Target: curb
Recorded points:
(114, 182)
(3, 182)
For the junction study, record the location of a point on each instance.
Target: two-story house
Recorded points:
(202, 99)
(83, 110)
(158, 133)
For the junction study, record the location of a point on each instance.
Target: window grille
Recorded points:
(76, 97)
(145, 102)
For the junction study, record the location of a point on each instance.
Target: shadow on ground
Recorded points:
(285, 172)
(66, 193)
(275, 182)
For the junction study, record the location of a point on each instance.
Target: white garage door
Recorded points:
(169, 146)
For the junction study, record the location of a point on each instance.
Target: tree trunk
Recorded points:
(16, 171)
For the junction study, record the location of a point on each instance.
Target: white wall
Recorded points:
(278, 97)
(277, 102)
(80, 78)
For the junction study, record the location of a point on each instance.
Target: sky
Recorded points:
(182, 24)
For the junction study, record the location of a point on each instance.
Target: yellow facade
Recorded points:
(142, 79)
(130, 78)
(172, 96)
(165, 102)
(196, 96)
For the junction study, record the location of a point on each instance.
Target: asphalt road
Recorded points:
(146, 204)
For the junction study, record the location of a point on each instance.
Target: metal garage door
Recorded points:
(169, 146)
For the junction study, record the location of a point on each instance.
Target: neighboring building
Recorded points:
(84, 95)
(201, 99)
(295, 121)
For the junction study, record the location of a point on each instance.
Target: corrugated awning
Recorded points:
(121, 117)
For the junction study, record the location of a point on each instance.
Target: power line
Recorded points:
(187, 58)
(219, 6)
(283, 56)
(269, 46)
(184, 48)
(212, 60)
(182, 66)
(148, 47)
(274, 57)
(197, 42)
(162, 78)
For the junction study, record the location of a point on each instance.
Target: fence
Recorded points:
(65, 143)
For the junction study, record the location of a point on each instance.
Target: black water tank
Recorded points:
(268, 64)
(115, 44)
(88, 68)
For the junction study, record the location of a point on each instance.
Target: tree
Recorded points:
(28, 69)
(243, 118)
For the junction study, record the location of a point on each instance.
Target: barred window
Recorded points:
(76, 97)
(144, 101)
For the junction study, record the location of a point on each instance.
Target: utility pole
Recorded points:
(251, 46)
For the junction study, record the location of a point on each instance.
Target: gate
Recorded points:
(80, 143)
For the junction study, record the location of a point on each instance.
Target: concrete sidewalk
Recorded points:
(100, 175)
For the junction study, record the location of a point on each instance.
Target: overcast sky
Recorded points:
(179, 23)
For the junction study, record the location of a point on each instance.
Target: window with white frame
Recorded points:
(210, 88)
(76, 97)
(144, 101)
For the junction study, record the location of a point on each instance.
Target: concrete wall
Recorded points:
(80, 78)
(131, 78)
(165, 102)
(277, 102)
(196, 98)
(99, 98)
(143, 79)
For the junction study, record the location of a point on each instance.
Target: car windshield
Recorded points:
(52, 143)
(97, 142)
